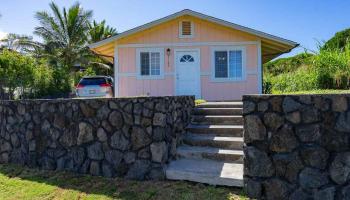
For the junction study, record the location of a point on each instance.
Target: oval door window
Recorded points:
(187, 58)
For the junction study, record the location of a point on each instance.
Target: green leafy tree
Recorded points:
(338, 41)
(285, 65)
(65, 34)
(52, 64)
(15, 42)
(100, 31)
(16, 72)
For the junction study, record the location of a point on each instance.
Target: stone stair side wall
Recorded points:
(297, 146)
(125, 137)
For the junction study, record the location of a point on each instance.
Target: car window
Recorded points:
(110, 81)
(92, 81)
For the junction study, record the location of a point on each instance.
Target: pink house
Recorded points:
(189, 53)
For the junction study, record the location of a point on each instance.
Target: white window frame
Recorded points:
(180, 29)
(228, 48)
(161, 63)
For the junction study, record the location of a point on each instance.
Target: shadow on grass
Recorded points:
(117, 188)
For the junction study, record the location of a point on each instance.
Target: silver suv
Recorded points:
(95, 86)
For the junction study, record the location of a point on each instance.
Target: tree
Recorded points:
(65, 34)
(15, 42)
(338, 41)
(16, 72)
(100, 31)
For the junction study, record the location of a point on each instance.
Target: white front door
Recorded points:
(187, 73)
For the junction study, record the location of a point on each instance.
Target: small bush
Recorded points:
(328, 69)
(267, 85)
(88, 72)
(286, 65)
(302, 79)
(333, 68)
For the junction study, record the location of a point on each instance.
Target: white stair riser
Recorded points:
(203, 120)
(203, 111)
(212, 156)
(217, 131)
(211, 180)
(220, 106)
(214, 143)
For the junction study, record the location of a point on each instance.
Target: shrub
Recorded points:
(285, 65)
(328, 69)
(16, 72)
(338, 41)
(267, 85)
(333, 68)
(87, 72)
(302, 79)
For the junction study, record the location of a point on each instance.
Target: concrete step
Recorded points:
(217, 119)
(219, 130)
(214, 141)
(217, 111)
(206, 171)
(231, 104)
(194, 152)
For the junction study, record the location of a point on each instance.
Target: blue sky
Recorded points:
(303, 21)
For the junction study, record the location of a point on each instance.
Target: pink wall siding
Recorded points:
(129, 85)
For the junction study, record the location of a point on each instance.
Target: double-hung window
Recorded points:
(228, 64)
(150, 63)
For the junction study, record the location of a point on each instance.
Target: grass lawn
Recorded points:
(317, 92)
(18, 182)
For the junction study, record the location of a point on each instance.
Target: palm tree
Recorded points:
(100, 31)
(65, 35)
(15, 42)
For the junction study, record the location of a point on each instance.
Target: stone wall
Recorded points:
(126, 137)
(297, 146)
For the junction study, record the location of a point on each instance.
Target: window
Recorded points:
(187, 58)
(228, 64)
(186, 29)
(221, 64)
(150, 63)
(144, 63)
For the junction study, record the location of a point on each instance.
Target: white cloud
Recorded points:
(2, 35)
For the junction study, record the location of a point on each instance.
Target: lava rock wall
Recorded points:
(125, 137)
(297, 146)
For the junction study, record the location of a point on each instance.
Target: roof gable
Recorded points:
(279, 45)
(203, 31)
(198, 15)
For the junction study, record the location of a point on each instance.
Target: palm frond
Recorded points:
(101, 65)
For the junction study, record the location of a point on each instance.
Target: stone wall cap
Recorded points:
(98, 98)
(292, 95)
